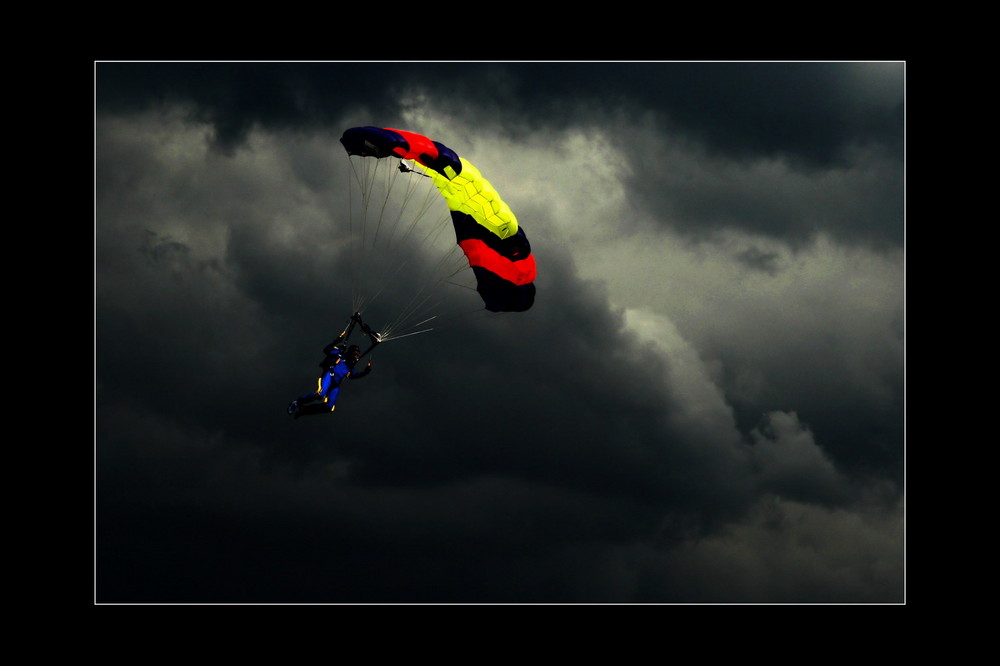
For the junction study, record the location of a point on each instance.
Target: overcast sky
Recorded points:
(704, 405)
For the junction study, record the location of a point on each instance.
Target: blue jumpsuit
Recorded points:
(337, 369)
(328, 385)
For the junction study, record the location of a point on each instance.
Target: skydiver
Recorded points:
(338, 364)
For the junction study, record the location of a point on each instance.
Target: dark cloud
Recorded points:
(613, 444)
(811, 111)
(807, 116)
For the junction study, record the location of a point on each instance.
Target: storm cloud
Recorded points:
(705, 404)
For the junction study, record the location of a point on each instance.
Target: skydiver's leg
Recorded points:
(327, 391)
(328, 405)
(316, 408)
(322, 385)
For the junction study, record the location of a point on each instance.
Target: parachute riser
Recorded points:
(373, 336)
(370, 349)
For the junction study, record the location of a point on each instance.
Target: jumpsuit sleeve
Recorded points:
(329, 349)
(359, 375)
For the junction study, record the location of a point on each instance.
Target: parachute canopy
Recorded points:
(485, 227)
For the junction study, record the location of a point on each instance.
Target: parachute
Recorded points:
(494, 245)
